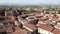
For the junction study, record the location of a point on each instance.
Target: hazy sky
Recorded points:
(29, 2)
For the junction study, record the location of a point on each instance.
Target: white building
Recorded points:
(44, 29)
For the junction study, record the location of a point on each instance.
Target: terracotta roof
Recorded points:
(17, 28)
(45, 27)
(30, 26)
(24, 32)
(5, 29)
(20, 32)
(56, 31)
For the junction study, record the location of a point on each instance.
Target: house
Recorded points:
(39, 16)
(57, 26)
(2, 18)
(8, 13)
(23, 16)
(29, 27)
(41, 22)
(56, 31)
(44, 29)
(31, 14)
(30, 17)
(47, 22)
(32, 20)
(44, 18)
(18, 30)
(7, 29)
(16, 23)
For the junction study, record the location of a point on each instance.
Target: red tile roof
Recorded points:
(5, 29)
(56, 31)
(45, 27)
(18, 30)
(30, 26)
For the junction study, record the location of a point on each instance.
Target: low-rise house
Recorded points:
(44, 29)
(44, 18)
(56, 31)
(32, 14)
(6, 28)
(39, 16)
(29, 27)
(32, 20)
(16, 23)
(47, 21)
(23, 16)
(18, 30)
(57, 26)
(30, 17)
(41, 22)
